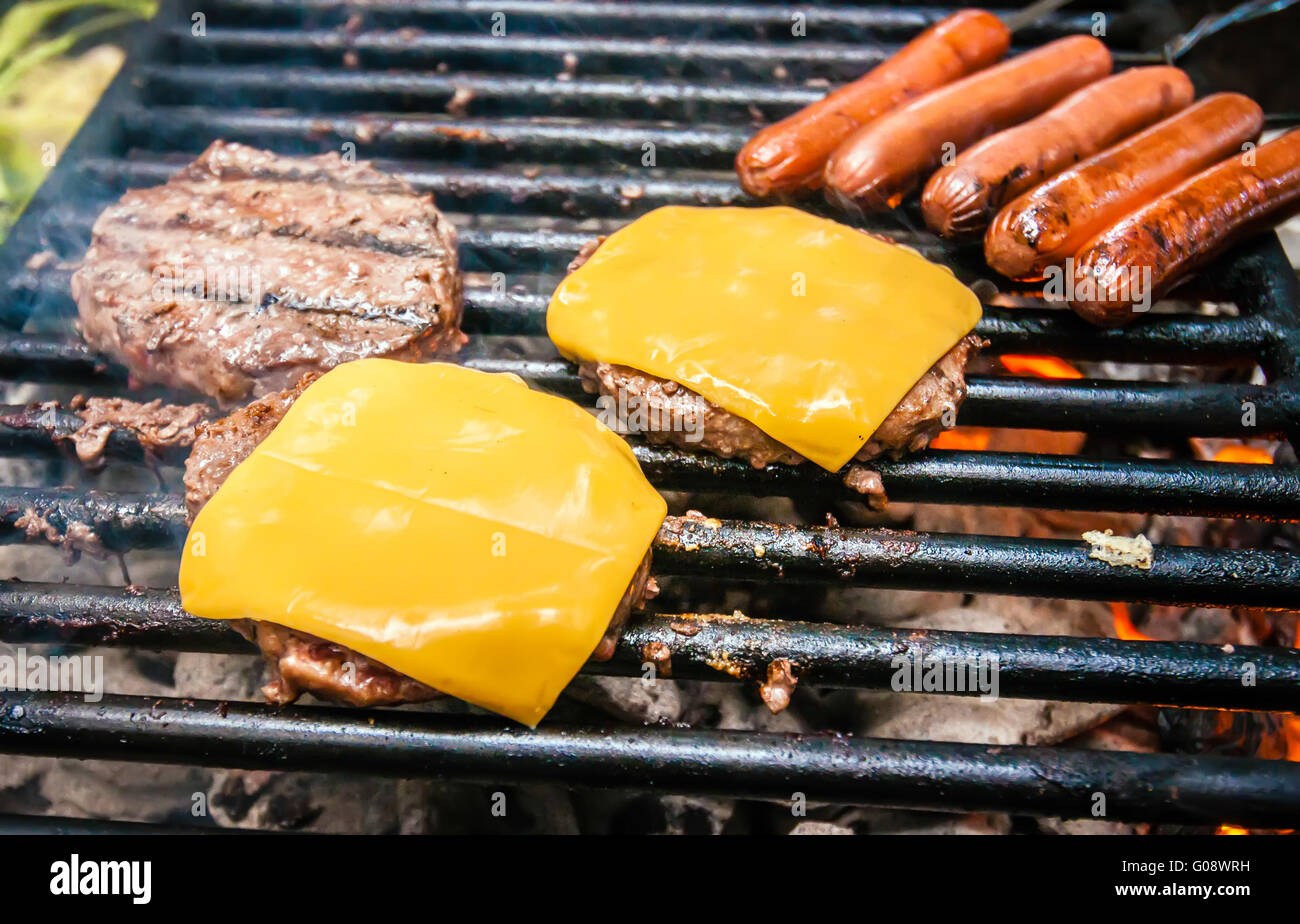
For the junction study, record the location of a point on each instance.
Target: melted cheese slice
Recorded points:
(809, 329)
(451, 524)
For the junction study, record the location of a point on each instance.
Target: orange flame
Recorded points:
(1045, 367)
(1291, 729)
(1124, 627)
(1291, 736)
(975, 438)
(1240, 452)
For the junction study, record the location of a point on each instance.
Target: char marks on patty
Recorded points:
(247, 269)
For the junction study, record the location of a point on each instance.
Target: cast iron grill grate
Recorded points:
(563, 105)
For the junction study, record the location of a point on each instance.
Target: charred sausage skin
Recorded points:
(789, 155)
(1051, 222)
(1180, 232)
(963, 196)
(885, 160)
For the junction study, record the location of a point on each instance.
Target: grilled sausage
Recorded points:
(1119, 273)
(885, 160)
(961, 197)
(790, 154)
(1052, 221)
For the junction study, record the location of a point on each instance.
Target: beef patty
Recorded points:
(698, 423)
(701, 424)
(305, 663)
(247, 269)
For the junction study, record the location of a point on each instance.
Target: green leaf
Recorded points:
(25, 20)
(43, 51)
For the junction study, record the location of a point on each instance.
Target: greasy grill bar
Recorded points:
(756, 20)
(759, 765)
(1080, 669)
(1179, 338)
(998, 479)
(1153, 408)
(736, 550)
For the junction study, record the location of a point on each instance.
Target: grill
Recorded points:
(312, 75)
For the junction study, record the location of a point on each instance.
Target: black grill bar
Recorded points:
(942, 477)
(1151, 408)
(181, 127)
(1176, 339)
(770, 21)
(32, 612)
(1009, 480)
(1179, 575)
(120, 521)
(35, 428)
(824, 768)
(733, 550)
(36, 358)
(1154, 408)
(85, 827)
(223, 85)
(550, 191)
(1029, 667)
(524, 245)
(802, 59)
(521, 309)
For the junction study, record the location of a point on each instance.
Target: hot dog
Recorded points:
(790, 154)
(1121, 271)
(1054, 220)
(961, 197)
(883, 161)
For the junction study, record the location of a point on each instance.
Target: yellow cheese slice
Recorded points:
(451, 524)
(809, 329)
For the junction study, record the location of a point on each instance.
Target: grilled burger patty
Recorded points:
(698, 423)
(301, 662)
(915, 421)
(247, 269)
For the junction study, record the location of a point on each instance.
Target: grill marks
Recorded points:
(387, 222)
(247, 269)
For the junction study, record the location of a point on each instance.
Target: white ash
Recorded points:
(1090, 826)
(937, 717)
(630, 699)
(820, 827)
